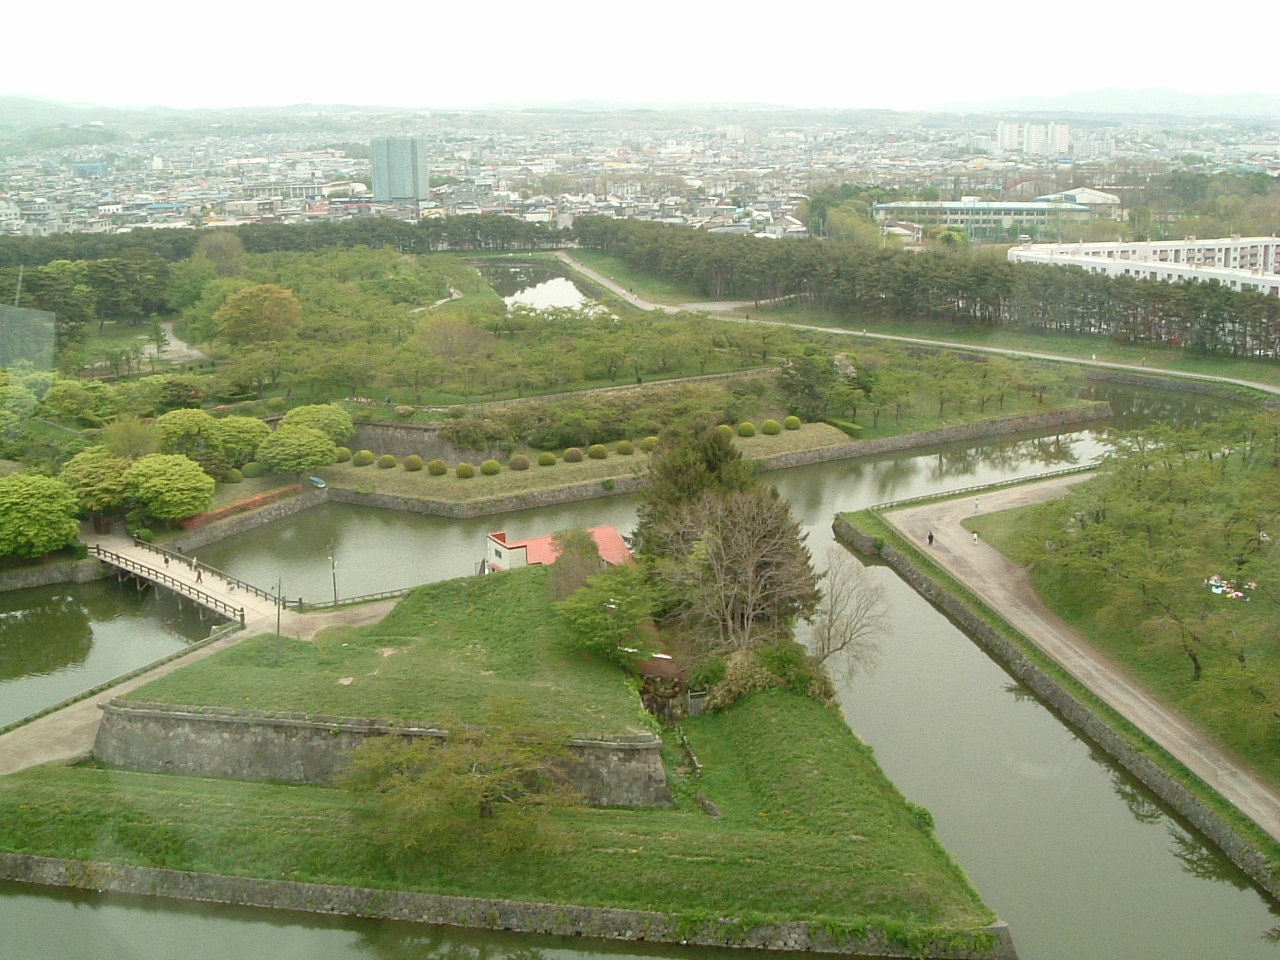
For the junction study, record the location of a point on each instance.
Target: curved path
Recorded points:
(1006, 588)
(725, 305)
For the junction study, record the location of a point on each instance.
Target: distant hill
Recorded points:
(1153, 101)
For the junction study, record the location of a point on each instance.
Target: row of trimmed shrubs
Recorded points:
(597, 451)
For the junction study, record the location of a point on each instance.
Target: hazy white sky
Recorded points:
(896, 55)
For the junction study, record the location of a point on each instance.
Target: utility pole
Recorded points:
(333, 572)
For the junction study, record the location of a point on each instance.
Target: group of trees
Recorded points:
(983, 289)
(162, 471)
(1170, 509)
(723, 569)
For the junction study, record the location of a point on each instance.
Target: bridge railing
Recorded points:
(194, 564)
(201, 597)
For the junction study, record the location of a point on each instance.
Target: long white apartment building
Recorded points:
(1241, 263)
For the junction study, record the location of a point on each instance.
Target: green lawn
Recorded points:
(1224, 703)
(646, 287)
(443, 653)
(810, 829)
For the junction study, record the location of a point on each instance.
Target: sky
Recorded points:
(805, 53)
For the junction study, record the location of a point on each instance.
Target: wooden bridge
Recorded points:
(198, 582)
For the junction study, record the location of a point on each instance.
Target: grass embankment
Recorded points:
(422, 485)
(1223, 703)
(810, 830)
(443, 653)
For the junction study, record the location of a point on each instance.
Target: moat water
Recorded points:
(1081, 862)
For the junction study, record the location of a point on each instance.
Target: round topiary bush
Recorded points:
(232, 476)
(573, 455)
(725, 431)
(649, 444)
(386, 461)
(437, 468)
(791, 423)
(276, 403)
(491, 468)
(546, 459)
(344, 454)
(771, 428)
(252, 469)
(413, 463)
(404, 410)
(746, 429)
(464, 471)
(625, 448)
(597, 451)
(519, 462)
(362, 458)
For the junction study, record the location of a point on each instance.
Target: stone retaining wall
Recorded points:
(423, 439)
(240, 522)
(465, 510)
(297, 748)
(1237, 848)
(514, 915)
(71, 571)
(1057, 419)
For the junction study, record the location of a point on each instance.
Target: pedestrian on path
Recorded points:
(975, 504)
(931, 538)
(166, 559)
(975, 536)
(200, 573)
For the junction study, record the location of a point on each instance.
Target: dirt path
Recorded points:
(1005, 586)
(68, 733)
(176, 351)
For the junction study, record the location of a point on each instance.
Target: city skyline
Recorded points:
(805, 56)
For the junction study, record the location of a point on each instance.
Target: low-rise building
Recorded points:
(1241, 263)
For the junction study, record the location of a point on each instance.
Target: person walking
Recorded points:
(200, 572)
(975, 536)
(975, 504)
(931, 538)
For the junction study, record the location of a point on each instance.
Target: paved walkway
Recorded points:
(1006, 588)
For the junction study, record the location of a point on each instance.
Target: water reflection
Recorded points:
(539, 285)
(43, 636)
(58, 641)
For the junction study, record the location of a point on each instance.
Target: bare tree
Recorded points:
(850, 617)
(738, 564)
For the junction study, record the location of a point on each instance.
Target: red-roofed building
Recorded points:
(503, 554)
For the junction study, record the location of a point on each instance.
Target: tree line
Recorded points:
(986, 290)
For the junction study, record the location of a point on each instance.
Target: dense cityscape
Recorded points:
(733, 171)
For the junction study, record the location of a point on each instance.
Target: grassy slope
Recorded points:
(810, 829)
(444, 652)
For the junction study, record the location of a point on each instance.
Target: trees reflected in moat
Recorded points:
(45, 637)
